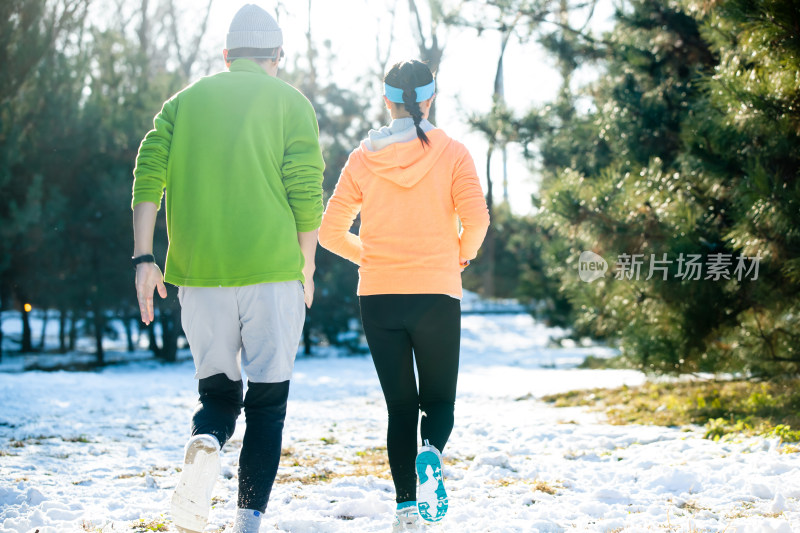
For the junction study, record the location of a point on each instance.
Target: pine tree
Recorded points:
(688, 151)
(744, 140)
(35, 74)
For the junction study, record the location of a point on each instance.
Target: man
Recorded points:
(238, 154)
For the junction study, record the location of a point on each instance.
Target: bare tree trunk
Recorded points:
(44, 331)
(169, 320)
(27, 345)
(126, 325)
(566, 69)
(499, 97)
(169, 336)
(489, 241)
(62, 330)
(495, 131)
(4, 299)
(151, 336)
(99, 327)
(186, 60)
(383, 60)
(307, 337)
(144, 30)
(311, 88)
(73, 329)
(430, 50)
(382, 55)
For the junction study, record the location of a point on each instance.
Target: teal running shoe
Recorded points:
(432, 498)
(406, 519)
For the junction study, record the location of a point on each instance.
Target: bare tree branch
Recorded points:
(58, 20)
(175, 34)
(420, 35)
(143, 33)
(186, 59)
(589, 17)
(430, 54)
(195, 48)
(383, 62)
(310, 56)
(122, 22)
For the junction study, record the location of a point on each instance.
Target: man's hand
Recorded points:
(148, 277)
(463, 263)
(308, 246)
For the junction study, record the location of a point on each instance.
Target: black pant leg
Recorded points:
(435, 329)
(218, 407)
(391, 351)
(265, 411)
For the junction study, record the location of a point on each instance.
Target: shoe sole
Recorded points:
(432, 498)
(190, 501)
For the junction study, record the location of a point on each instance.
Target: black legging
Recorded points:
(265, 410)
(429, 325)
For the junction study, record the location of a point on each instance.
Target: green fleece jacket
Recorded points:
(238, 154)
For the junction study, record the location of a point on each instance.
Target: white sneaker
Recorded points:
(406, 519)
(191, 501)
(431, 497)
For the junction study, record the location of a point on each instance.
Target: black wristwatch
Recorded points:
(146, 258)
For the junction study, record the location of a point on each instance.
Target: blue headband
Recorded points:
(396, 95)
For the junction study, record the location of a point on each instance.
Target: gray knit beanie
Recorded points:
(252, 27)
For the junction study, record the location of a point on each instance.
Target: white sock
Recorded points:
(247, 521)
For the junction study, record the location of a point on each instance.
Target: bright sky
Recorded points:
(466, 76)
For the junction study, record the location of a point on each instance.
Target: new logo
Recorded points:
(591, 267)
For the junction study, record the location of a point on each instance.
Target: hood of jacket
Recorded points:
(405, 163)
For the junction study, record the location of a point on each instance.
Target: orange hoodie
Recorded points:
(410, 199)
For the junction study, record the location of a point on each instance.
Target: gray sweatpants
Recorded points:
(257, 327)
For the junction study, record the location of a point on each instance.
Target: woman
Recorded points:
(412, 183)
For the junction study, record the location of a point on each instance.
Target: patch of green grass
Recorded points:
(129, 476)
(83, 439)
(618, 362)
(770, 408)
(142, 526)
(311, 470)
(544, 486)
(324, 475)
(692, 507)
(537, 485)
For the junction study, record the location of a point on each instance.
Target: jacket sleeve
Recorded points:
(150, 172)
(303, 166)
(343, 207)
(470, 204)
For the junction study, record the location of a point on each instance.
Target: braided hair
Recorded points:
(408, 75)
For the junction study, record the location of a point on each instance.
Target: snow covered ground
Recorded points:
(98, 451)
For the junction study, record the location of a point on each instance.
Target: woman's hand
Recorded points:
(308, 288)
